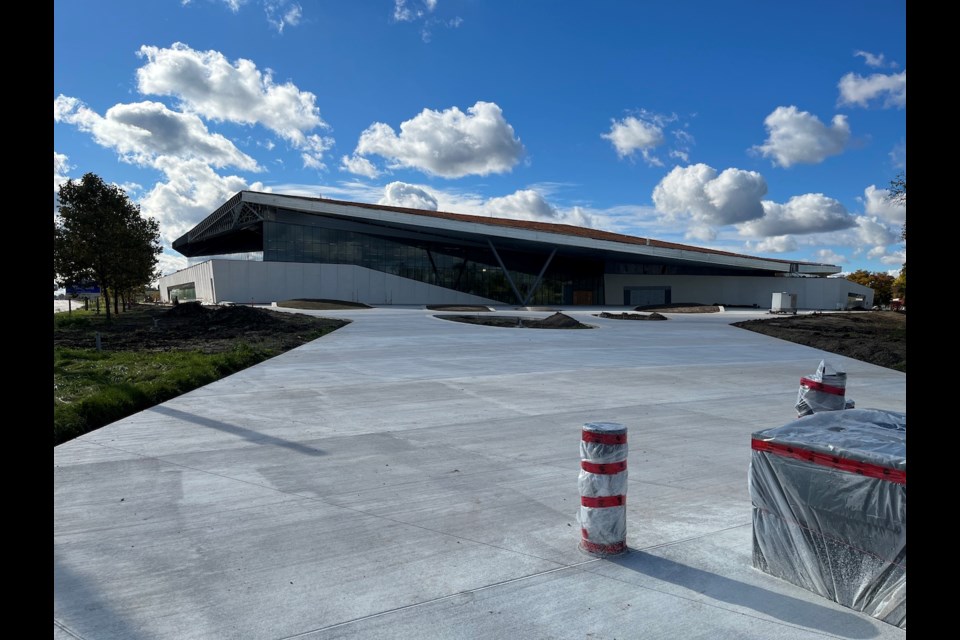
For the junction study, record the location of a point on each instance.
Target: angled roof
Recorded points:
(234, 221)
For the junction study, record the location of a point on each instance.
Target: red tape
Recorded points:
(603, 501)
(606, 468)
(819, 386)
(844, 464)
(605, 438)
(605, 549)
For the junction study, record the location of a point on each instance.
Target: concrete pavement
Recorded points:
(411, 477)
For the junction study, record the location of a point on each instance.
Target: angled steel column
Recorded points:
(436, 275)
(536, 283)
(496, 255)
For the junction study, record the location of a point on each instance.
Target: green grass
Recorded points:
(94, 388)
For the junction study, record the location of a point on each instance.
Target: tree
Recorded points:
(99, 236)
(881, 283)
(898, 193)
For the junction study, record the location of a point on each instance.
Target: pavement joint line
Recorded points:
(338, 506)
(67, 630)
(575, 566)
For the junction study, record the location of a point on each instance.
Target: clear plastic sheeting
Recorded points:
(603, 488)
(825, 390)
(829, 494)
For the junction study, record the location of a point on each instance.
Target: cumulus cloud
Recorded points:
(143, 131)
(809, 213)
(859, 91)
(634, 134)
(827, 256)
(877, 202)
(60, 169)
(708, 199)
(449, 143)
(524, 204)
(798, 137)
(894, 257)
(358, 165)
(775, 244)
(207, 84)
(191, 192)
(529, 204)
(871, 230)
(401, 194)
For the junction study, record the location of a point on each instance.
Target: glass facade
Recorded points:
(458, 266)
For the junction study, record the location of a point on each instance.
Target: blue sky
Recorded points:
(767, 128)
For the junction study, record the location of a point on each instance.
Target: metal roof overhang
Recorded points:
(235, 225)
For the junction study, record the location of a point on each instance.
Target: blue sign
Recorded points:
(86, 289)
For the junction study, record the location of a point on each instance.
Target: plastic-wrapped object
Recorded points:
(603, 488)
(825, 390)
(829, 494)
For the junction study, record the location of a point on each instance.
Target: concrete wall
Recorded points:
(812, 293)
(247, 281)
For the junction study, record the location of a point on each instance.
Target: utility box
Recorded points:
(784, 303)
(829, 495)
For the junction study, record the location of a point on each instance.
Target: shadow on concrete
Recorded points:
(247, 434)
(786, 608)
(78, 610)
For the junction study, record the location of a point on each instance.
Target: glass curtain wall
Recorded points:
(472, 270)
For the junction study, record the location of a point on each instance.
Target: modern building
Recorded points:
(328, 249)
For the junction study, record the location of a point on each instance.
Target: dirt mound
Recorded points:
(191, 326)
(558, 321)
(632, 316)
(186, 310)
(681, 307)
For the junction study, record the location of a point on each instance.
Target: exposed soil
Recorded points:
(556, 321)
(632, 316)
(190, 326)
(877, 337)
(321, 304)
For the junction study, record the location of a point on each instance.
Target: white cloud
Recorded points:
(798, 137)
(877, 202)
(774, 244)
(707, 198)
(872, 60)
(871, 230)
(359, 165)
(282, 13)
(858, 90)
(60, 169)
(143, 131)
(401, 194)
(898, 155)
(192, 191)
(827, 256)
(809, 213)
(168, 263)
(207, 84)
(448, 143)
(634, 134)
(524, 204)
(894, 257)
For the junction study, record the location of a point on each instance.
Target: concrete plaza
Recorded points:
(411, 477)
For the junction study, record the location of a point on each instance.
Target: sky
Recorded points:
(772, 129)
